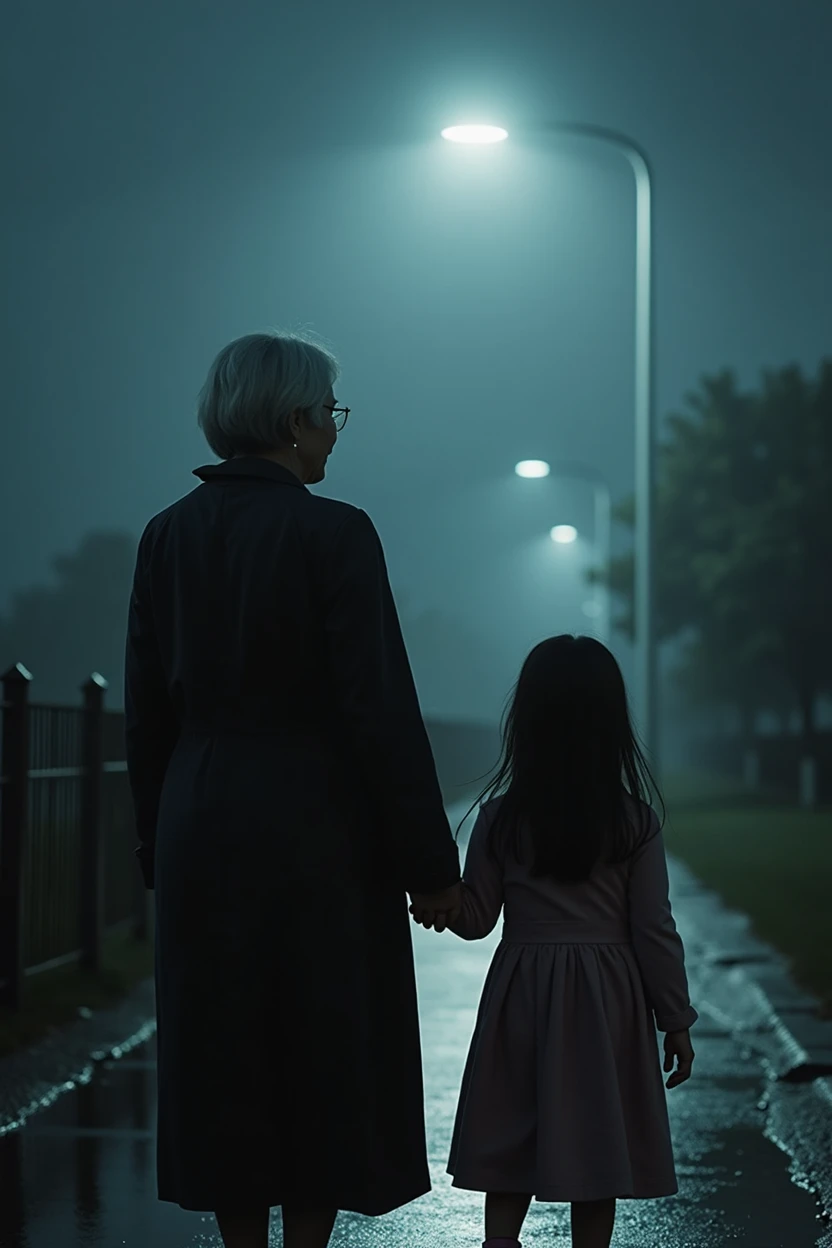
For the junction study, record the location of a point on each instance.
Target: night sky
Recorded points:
(180, 173)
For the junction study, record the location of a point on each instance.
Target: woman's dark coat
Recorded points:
(286, 799)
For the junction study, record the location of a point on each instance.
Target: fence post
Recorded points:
(14, 811)
(808, 783)
(751, 769)
(92, 858)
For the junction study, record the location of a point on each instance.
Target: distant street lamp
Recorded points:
(646, 655)
(474, 134)
(564, 534)
(536, 468)
(532, 468)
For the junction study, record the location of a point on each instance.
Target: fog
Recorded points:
(182, 174)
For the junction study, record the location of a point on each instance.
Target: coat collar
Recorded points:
(249, 466)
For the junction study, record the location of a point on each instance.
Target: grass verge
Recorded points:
(53, 998)
(771, 861)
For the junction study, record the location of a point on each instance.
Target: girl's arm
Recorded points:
(657, 944)
(482, 887)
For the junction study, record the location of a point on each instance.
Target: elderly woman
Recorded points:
(286, 801)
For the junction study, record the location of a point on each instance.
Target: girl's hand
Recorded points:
(437, 910)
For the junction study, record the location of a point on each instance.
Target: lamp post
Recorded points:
(602, 523)
(646, 657)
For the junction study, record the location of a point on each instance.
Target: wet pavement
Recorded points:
(81, 1172)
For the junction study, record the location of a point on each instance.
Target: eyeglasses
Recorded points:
(341, 417)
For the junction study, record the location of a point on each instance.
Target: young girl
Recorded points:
(562, 1096)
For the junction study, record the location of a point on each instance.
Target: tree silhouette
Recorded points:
(64, 632)
(743, 522)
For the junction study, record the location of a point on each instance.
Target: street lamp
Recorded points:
(646, 657)
(474, 134)
(564, 534)
(603, 518)
(532, 468)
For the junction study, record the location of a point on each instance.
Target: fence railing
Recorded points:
(785, 765)
(68, 874)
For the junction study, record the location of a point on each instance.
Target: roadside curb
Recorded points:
(34, 1078)
(745, 986)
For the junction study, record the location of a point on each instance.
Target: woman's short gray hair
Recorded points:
(254, 385)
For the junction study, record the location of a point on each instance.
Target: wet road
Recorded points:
(82, 1172)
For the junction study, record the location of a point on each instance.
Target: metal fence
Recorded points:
(68, 874)
(785, 766)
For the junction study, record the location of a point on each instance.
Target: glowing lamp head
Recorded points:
(563, 534)
(532, 468)
(474, 134)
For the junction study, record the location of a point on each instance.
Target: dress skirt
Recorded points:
(563, 1095)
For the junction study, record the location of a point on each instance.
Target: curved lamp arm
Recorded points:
(646, 655)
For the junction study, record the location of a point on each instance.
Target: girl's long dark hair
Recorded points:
(571, 769)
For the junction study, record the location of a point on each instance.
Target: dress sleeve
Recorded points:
(150, 723)
(375, 696)
(482, 890)
(658, 946)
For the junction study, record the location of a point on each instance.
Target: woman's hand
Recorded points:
(437, 910)
(677, 1044)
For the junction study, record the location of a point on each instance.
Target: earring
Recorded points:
(295, 445)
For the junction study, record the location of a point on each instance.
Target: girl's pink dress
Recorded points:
(563, 1093)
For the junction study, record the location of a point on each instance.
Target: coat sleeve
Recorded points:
(657, 944)
(482, 889)
(376, 700)
(149, 722)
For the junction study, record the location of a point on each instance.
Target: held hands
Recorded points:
(677, 1044)
(437, 910)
